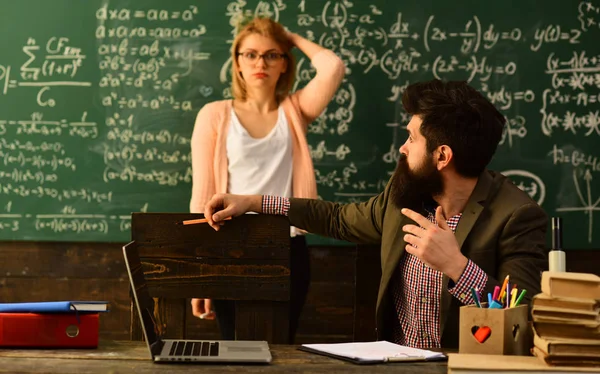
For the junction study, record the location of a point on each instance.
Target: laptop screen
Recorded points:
(143, 301)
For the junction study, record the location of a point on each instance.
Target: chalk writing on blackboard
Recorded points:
(96, 123)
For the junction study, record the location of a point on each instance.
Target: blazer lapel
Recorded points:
(471, 213)
(396, 251)
(473, 208)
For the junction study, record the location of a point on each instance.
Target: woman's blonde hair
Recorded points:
(268, 28)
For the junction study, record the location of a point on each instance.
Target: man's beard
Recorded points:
(411, 188)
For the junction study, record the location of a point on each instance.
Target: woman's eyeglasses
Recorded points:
(270, 58)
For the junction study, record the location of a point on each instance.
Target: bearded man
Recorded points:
(445, 223)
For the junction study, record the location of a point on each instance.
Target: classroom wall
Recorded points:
(340, 304)
(36, 271)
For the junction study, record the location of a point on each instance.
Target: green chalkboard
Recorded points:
(98, 100)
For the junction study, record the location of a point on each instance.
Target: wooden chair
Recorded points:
(247, 260)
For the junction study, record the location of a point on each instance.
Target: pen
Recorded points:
(523, 292)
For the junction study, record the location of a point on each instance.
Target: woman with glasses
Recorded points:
(256, 143)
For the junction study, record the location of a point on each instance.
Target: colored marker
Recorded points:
(523, 292)
(490, 299)
(496, 293)
(503, 288)
(475, 297)
(513, 297)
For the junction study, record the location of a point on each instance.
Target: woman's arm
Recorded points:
(314, 97)
(203, 143)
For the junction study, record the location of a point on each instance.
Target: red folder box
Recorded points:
(49, 330)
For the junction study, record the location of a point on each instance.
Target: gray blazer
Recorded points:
(502, 230)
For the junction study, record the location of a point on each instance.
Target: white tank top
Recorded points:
(260, 166)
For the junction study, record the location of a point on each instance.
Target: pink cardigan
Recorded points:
(209, 153)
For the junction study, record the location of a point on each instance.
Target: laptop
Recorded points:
(186, 351)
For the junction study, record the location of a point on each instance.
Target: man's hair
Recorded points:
(456, 115)
(275, 31)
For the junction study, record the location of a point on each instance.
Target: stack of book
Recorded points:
(53, 324)
(566, 319)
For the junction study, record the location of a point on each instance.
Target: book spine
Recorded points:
(62, 330)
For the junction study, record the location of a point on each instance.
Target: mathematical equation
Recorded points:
(22, 160)
(130, 174)
(38, 126)
(56, 194)
(575, 158)
(59, 65)
(64, 223)
(26, 175)
(338, 115)
(127, 136)
(581, 71)
(528, 182)
(140, 101)
(473, 37)
(132, 153)
(569, 121)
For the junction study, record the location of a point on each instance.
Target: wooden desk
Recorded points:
(133, 357)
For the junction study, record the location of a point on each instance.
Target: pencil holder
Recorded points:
(494, 331)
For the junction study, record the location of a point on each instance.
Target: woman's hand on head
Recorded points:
(291, 37)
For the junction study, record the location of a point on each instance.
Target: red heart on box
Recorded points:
(481, 333)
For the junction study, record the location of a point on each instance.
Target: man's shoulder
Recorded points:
(508, 193)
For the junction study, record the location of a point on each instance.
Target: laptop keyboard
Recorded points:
(183, 348)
